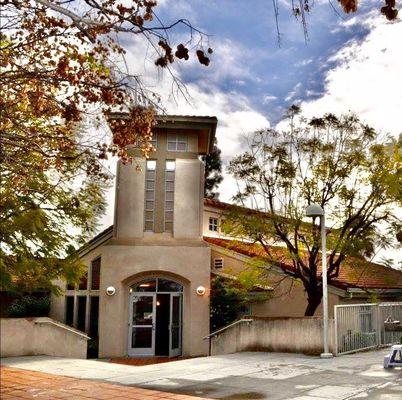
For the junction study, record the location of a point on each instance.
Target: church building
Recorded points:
(147, 289)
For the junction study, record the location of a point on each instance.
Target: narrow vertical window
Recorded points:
(94, 317)
(150, 177)
(69, 313)
(95, 273)
(81, 313)
(169, 194)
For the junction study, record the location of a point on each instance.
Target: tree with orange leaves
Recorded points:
(62, 70)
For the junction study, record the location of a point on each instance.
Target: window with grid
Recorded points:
(176, 142)
(213, 224)
(139, 141)
(150, 178)
(169, 194)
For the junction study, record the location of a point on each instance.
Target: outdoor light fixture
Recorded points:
(200, 290)
(315, 210)
(110, 290)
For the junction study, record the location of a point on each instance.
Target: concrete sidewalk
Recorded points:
(242, 375)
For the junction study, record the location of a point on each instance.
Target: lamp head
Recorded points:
(314, 210)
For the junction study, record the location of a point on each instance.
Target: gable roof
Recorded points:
(353, 273)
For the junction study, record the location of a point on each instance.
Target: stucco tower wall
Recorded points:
(129, 208)
(188, 199)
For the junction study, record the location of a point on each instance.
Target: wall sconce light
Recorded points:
(110, 290)
(200, 290)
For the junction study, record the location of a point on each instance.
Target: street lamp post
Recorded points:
(315, 210)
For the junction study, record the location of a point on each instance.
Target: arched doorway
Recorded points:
(155, 318)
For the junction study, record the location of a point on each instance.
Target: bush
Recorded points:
(29, 306)
(227, 300)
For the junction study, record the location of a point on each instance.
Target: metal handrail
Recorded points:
(60, 325)
(227, 327)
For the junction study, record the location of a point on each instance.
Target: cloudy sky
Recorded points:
(349, 62)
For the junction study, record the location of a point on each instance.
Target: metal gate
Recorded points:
(365, 326)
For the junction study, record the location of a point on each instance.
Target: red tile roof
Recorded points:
(354, 273)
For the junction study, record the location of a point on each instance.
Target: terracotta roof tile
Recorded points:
(354, 273)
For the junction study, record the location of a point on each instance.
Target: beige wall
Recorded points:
(187, 199)
(39, 336)
(129, 209)
(294, 335)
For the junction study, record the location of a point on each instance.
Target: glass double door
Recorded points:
(155, 324)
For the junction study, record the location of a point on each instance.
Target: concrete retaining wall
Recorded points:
(292, 335)
(40, 336)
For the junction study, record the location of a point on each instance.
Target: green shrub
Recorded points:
(29, 306)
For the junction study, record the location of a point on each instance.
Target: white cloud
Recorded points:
(291, 95)
(268, 98)
(367, 79)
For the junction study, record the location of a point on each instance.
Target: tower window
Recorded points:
(154, 140)
(139, 141)
(213, 224)
(169, 194)
(176, 142)
(150, 177)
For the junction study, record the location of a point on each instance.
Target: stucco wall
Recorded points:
(36, 336)
(292, 335)
(187, 211)
(129, 218)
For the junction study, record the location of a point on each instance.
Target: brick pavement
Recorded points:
(18, 384)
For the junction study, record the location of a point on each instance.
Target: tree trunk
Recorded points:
(313, 301)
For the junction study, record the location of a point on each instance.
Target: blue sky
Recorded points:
(349, 63)
(266, 73)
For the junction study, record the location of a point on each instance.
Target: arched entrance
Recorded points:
(155, 318)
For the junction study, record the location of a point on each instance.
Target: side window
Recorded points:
(177, 142)
(213, 224)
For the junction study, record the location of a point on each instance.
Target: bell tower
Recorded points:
(163, 199)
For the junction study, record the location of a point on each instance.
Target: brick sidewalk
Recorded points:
(21, 384)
